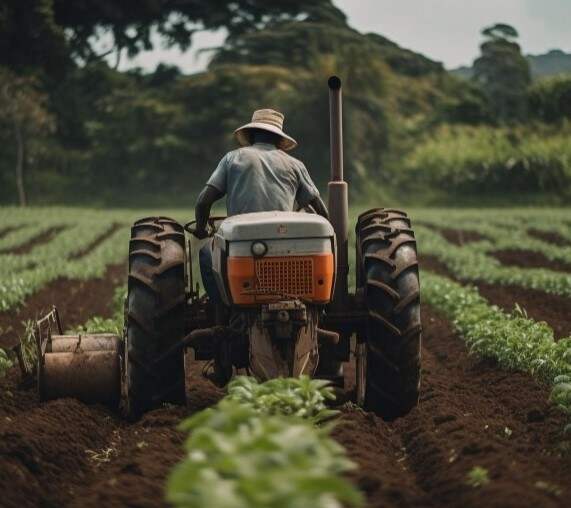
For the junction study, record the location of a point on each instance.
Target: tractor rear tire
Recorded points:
(387, 273)
(154, 316)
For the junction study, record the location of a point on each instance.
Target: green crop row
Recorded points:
(470, 262)
(513, 340)
(549, 219)
(24, 233)
(510, 236)
(14, 288)
(303, 397)
(66, 243)
(249, 453)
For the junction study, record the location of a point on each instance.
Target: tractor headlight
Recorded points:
(259, 249)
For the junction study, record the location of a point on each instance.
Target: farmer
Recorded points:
(258, 177)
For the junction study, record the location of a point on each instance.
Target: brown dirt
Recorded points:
(461, 237)
(65, 453)
(44, 451)
(528, 259)
(76, 301)
(555, 310)
(549, 236)
(466, 406)
(44, 237)
(417, 461)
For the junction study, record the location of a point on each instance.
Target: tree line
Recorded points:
(74, 129)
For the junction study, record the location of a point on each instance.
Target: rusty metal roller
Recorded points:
(86, 367)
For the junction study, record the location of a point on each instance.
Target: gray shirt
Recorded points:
(262, 178)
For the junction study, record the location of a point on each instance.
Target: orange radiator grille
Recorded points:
(291, 276)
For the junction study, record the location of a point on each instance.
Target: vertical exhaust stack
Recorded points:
(338, 190)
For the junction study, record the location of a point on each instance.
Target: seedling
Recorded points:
(477, 477)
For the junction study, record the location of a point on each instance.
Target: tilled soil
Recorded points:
(75, 300)
(471, 414)
(65, 453)
(44, 237)
(96, 241)
(555, 310)
(549, 236)
(461, 237)
(529, 259)
(455, 236)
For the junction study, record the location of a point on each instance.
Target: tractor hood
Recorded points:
(274, 225)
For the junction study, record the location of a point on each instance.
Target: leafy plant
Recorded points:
(114, 324)
(238, 457)
(5, 362)
(303, 397)
(28, 348)
(561, 395)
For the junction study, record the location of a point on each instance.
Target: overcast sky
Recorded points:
(444, 30)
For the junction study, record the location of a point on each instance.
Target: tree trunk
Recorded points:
(20, 163)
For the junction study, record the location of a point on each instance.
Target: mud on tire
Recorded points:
(154, 315)
(387, 273)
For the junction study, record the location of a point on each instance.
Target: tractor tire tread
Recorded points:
(388, 273)
(155, 314)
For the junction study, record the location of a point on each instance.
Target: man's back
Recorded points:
(262, 178)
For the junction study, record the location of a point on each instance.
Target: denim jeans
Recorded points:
(207, 273)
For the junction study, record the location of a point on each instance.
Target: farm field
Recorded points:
(493, 426)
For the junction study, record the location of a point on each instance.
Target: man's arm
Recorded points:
(307, 193)
(319, 206)
(206, 199)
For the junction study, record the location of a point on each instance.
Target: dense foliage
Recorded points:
(131, 137)
(86, 132)
(502, 160)
(550, 99)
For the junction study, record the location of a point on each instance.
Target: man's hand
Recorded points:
(201, 233)
(202, 211)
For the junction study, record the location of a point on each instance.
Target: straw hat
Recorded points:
(268, 120)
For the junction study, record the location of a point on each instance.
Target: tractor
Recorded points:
(287, 309)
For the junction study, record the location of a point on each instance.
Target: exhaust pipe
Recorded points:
(338, 191)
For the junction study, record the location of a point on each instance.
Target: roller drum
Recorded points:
(72, 343)
(88, 370)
